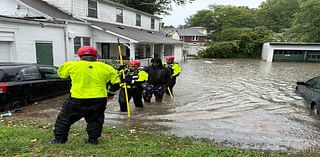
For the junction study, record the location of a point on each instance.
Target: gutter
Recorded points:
(66, 41)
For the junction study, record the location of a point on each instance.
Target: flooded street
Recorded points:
(245, 103)
(242, 103)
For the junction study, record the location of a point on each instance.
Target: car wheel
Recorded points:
(15, 104)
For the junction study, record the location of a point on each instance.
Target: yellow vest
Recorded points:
(88, 79)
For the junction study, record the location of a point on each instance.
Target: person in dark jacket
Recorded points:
(158, 80)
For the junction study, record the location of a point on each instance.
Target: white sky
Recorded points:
(180, 13)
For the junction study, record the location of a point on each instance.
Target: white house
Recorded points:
(291, 51)
(52, 30)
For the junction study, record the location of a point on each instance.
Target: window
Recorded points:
(29, 73)
(80, 41)
(138, 20)
(49, 72)
(195, 38)
(152, 23)
(119, 15)
(181, 38)
(92, 8)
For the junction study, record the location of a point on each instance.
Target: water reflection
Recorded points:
(246, 103)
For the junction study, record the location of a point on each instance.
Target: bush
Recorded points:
(225, 49)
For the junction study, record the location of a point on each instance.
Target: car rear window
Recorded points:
(314, 81)
(29, 73)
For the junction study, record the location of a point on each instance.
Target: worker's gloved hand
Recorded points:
(121, 67)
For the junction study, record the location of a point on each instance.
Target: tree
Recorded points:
(277, 15)
(306, 25)
(218, 17)
(159, 7)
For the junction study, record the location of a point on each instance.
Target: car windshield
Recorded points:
(314, 82)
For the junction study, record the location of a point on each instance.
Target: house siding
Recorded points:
(106, 13)
(15, 9)
(189, 39)
(23, 47)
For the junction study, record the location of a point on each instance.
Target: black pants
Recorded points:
(171, 85)
(74, 109)
(136, 93)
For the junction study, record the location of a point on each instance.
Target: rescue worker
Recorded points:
(158, 80)
(134, 77)
(175, 72)
(90, 80)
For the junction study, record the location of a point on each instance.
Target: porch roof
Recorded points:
(139, 35)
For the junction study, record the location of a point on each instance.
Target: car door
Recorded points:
(33, 83)
(314, 92)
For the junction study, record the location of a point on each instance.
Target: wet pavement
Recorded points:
(237, 102)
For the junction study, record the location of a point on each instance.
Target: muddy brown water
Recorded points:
(238, 102)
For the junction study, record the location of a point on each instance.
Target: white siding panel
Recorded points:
(4, 51)
(6, 36)
(26, 35)
(81, 8)
(14, 9)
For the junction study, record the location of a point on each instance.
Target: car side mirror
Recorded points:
(301, 83)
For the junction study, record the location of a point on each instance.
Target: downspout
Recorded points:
(66, 41)
(72, 7)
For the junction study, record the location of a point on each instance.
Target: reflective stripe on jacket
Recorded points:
(175, 69)
(88, 79)
(137, 77)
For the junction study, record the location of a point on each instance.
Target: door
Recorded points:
(105, 50)
(44, 53)
(4, 51)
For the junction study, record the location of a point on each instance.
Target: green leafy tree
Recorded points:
(277, 15)
(218, 17)
(160, 7)
(306, 25)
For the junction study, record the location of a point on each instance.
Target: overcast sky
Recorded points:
(180, 13)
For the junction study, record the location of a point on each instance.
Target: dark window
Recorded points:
(195, 38)
(119, 15)
(313, 81)
(76, 43)
(29, 73)
(49, 72)
(152, 23)
(86, 41)
(138, 20)
(92, 8)
(80, 41)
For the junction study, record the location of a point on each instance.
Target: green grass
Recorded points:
(29, 138)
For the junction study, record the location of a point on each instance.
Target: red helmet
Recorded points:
(169, 58)
(87, 50)
(135, 63)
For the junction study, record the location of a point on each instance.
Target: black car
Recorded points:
(310, 91)
(23, 83)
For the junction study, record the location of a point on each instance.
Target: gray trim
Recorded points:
(294, 43)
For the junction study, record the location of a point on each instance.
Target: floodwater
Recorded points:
(236, 102)
(243, 103)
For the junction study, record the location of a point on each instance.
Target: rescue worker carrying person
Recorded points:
(158, 80)
(134, 77)
(175, 72)
(90, 80)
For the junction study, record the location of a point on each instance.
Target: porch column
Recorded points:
(161, 55)
(152, 50)
(144, 50)
(132, 51)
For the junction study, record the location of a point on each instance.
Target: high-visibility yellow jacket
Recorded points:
(136, 77)
(175, 69)
(88, 79)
